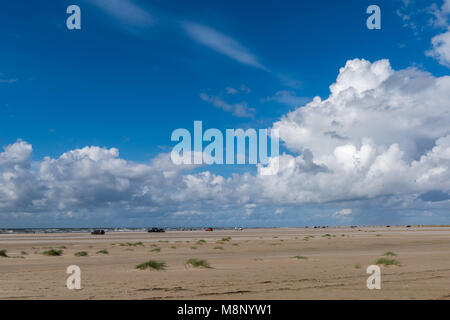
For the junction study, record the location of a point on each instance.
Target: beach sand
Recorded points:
(254, 264)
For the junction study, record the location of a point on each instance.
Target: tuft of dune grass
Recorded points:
(104, 251)
(300, 257)
(53, 252)
(225, 239)
(155, 250)
(389, 254)
(131, 244)
(151, 264)
(387, 262)
(198, 263)
(81, 254)
(218, 248)
(200, 242)
(3, 253)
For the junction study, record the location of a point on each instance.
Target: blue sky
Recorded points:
(137, 70)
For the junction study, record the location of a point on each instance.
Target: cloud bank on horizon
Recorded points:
(382, 136)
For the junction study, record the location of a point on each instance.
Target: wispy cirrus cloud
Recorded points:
(4, 79)
(287, 97)
(222, 44)
(240, 109)
(126, 11)
(8, 80)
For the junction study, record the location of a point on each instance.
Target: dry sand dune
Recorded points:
(254, 264)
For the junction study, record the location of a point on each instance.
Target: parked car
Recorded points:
(154, 229)
(208, 229)
(98, 231)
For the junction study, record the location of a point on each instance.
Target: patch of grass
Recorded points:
(3, 253)
(327, 235)
(200, 242)
(235, 244)
(275, 244)
(357, 266)
(156, 250)
(225, 239)
(81, 254)
(300, 257)
(194, 247)
(132, 244)
(378, 235)
(220, 242)
(218, 248)
(173, 247)
(163, 241)
(151, 264)
(23, 253)
(53, 252)
(389, 254)
(198, 263)
(387, 262)
(104, 251)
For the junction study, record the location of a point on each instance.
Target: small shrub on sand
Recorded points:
(23, 253)
(81, 254)
(389, 254)
(52, 252)
(104, 251)
(220, 242)
(357, 266)
(173, 247)
(300, 257)
(132, 244)
(327, 235)
(218, 248)
(3, 253)
(387, 262)
(156, 250)
(200, 242)
(226, 239)
(198, 263)
(235, 244)
(151, 264)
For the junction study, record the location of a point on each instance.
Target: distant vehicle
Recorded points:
(238, 229)
(208, 229)
(98, 231)
(408, 226)
(154, 229)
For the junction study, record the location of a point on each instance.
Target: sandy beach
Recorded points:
(291, 263)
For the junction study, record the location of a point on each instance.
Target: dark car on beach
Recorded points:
(156, 230)
(98, 231)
